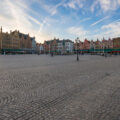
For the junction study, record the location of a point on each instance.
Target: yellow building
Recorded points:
(9, 41)
(15, 40)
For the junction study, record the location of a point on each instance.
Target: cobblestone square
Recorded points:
(41, 87)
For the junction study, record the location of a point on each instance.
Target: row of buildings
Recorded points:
(108, 44)
(17, 42)
(56, 46)
(67, 46)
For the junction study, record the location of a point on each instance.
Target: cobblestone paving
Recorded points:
(59, 88)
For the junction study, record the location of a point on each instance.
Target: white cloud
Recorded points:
(112, 29)
(106, 5)
(100, 20)
(94, 5)
(77, 31)
(85, 19)
(51, 9)
(74, 4)
(107, 31)
(15, 15)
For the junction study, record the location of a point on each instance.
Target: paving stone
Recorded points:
(59, 88)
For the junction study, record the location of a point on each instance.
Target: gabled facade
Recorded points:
(98, 44)
(92, 44)
(57, 46)
(110, 43)
(86, 44)
(50, 45)
(65, 46)
(116, 42)
(16, 40)
(34, 46)
(40, 48)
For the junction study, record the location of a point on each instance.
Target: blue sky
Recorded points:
(46, 19)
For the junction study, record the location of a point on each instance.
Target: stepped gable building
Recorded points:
(104, 43)
(65, 46)
(107, 43)
(25, 41)
(86, 44)
(79, 45)
(50, 45)
(58, 46)
(6, 41)
(40, 48)
(98, 44)
(110, 43)
(92, 44)
(116, 42)
(15, 40)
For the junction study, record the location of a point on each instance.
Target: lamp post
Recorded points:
(1, 38)
(94, 48)
(77, 41)
(49, 48)
(105, 51)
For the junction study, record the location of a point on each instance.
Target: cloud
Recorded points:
(94, 5)
(107, 31)
(74, 4)
(51, 9)
(105, 5)
(71, 4)
(112, 29)
(15, 15)
(85, 19)
(23, 16)
(115, 21)
(99, 21)
(77, 31)
(18, 16)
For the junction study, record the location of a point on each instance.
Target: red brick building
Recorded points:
(50, 45)
(98, 44)
(86, 44)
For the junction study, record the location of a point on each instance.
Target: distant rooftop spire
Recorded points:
(1, 29)
(103, 38)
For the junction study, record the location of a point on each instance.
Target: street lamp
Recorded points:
(77, 41)
(105, 51)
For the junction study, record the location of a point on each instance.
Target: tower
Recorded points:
(103, 38)
(1, 29)
(1, 37)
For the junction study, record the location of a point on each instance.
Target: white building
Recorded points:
(34, 46)
(60, 47)
(40, 48)
(69, 46)
(65, 47)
